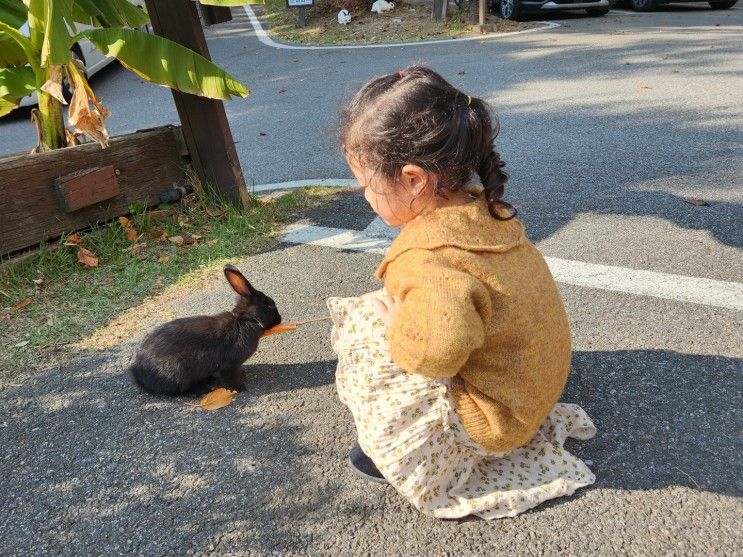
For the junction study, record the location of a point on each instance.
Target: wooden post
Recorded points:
(215, 14)
(483, 12)
(205, 127)
(302, 17)
(439, 9)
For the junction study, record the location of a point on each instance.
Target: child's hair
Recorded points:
(416, 117)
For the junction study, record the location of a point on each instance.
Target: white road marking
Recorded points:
(268, 41)
(695, 290)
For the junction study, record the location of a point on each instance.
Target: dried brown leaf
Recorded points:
(72, 240)
(163, 259)
(22, 304)
(211, 242)
(214, 212)
(135, 248)
(53, 84)
(695, 201)
(87, 257)
(218, 398)
(128, 226)
(80, 116)
(159, 236)
(177, 240)
(38, 281)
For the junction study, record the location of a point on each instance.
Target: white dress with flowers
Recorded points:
(407, 424)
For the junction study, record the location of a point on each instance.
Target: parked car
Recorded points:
(517, 9)
(649, 5)
(84, 51)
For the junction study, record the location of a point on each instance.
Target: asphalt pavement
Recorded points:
(607, 124)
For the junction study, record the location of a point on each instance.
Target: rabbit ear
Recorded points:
(237, 281)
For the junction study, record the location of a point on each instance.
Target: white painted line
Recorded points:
(694, 290)
(328, 182)
(336, 238)
(268, 41)
(624, 12)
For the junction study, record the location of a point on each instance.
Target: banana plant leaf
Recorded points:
(16, 82)
(15, 49)
(109, 13)
(13, 12)
(8, 105)
(166, 63)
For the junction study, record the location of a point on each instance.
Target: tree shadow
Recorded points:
(664, 418)
(90, 462)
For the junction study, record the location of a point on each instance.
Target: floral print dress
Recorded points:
(407, 424)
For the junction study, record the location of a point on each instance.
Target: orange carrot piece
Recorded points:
(281, 328)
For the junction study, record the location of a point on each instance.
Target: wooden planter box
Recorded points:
(46, 195)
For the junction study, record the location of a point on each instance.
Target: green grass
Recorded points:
(71, 302)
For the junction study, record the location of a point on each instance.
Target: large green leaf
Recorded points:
(7, 106)
(165, 62)
(55, 49)
(13, 12)
(109, 13)
(11, 53)
(16, 82)
(15, 49)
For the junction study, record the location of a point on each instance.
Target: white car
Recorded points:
(84, 51)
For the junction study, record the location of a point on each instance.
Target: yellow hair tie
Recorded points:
(469, 100)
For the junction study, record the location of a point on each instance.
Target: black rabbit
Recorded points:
(180, 354)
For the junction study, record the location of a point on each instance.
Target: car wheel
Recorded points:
(643, 5)
(723, 5)
(511, 9)
(75, 54)
(597, 11)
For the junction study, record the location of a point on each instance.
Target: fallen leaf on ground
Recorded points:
(278, 329)
(159, 236)
(282, 90)
(128, 226)
(163, 259)
(136, 247)
(645, 87)
(21, 304)
(218, 398)
(21, 344)
(261, 133)
(696, 202)
(177, 240)
(461, 72)
(211, 242)
(87, 257)
(38, 281)
(160, 214)
(214, 212)
(72, 240)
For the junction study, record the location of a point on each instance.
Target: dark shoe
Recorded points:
(363, 465)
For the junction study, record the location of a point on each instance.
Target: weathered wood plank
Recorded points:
(145, 164)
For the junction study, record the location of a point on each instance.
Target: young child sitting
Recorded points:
(453, 371)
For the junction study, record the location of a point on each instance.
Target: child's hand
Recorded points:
(388, 307)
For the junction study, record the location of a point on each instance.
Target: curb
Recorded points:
(268, 41)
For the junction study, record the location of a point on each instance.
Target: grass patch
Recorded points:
(63, 302)
(406, 23)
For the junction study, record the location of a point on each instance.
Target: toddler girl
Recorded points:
(453, 371)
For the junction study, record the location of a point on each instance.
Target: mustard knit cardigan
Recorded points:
(479, 305)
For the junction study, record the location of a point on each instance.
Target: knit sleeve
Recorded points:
(441, 314)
